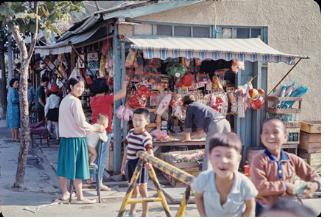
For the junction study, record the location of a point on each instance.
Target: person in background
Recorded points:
(274, 172)
(41, 98)
(223, 191)
(102, 103)
(31, 95)
(13, 111)
(205, 118)
(138, 139)
(52, 111)
(73, 151)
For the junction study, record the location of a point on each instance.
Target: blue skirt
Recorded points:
(73, 159)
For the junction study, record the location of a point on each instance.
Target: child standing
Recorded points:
(138, 139)
(52, 110)
(93, 138)
(274, 171)
(223, 191)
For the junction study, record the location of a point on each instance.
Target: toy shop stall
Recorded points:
(162, 70)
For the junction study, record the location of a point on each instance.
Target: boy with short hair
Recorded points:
(138, 139)
(274, 171)
(94, 137)
(223, 191)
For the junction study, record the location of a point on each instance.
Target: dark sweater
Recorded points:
(200, 115)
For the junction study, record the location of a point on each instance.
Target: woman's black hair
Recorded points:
(99, 86)
(12, 81)
(73, 81)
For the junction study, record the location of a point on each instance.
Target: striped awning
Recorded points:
(253, 49)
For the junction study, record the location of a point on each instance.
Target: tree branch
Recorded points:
(32, 46)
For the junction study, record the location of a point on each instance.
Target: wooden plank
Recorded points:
(311, 158)
(306, 138)
(311, 126)
(311, 147)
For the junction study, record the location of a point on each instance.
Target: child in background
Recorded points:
(274, 171)
(52, 110)
(93, 138)
(138, 139)
(223, 191)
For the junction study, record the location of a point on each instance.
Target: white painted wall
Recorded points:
(293, 27)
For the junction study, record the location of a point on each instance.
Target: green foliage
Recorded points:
(49, 14)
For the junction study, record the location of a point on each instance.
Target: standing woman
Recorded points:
(13, 112)
(73, 151)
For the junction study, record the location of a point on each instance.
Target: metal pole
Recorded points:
(285, 76)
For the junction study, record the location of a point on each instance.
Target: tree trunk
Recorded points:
(25, 58)
(3, 91)
(24, 113)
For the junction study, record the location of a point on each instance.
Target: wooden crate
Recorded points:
(311, 147)
(312, 159)
(273, 101)
(306, 138)
(311, 126)
(178, 159)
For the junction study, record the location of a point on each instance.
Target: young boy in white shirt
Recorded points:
(223, 191)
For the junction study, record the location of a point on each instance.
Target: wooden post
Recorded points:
(117, 86)
(130, 189)
(160, 194)
(184, 202)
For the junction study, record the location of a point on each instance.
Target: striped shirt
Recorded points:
(137, 142)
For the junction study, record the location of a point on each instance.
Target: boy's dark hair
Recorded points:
(188, 99)
(230, 140)
(275, 120)
(142, 111)
(12, 81)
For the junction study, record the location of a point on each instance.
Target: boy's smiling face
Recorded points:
(139, 122)
(273, 135)
(224, 160)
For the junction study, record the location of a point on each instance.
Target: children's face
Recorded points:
(139, 122)
(77, 89)
(273, 135)
(224, 160)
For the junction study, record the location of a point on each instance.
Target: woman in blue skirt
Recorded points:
(13, 112)
(73, 151)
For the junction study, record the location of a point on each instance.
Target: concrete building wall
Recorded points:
(293, 27)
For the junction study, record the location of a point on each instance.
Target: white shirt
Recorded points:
(242, 190)
(52, 102)
(72, 121)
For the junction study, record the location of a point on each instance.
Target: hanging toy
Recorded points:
(256, 98)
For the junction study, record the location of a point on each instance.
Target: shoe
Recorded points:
(86, 201)
(93, 166)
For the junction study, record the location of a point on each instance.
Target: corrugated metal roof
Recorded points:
(148, 9)
(64, 46)
(252, 49)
